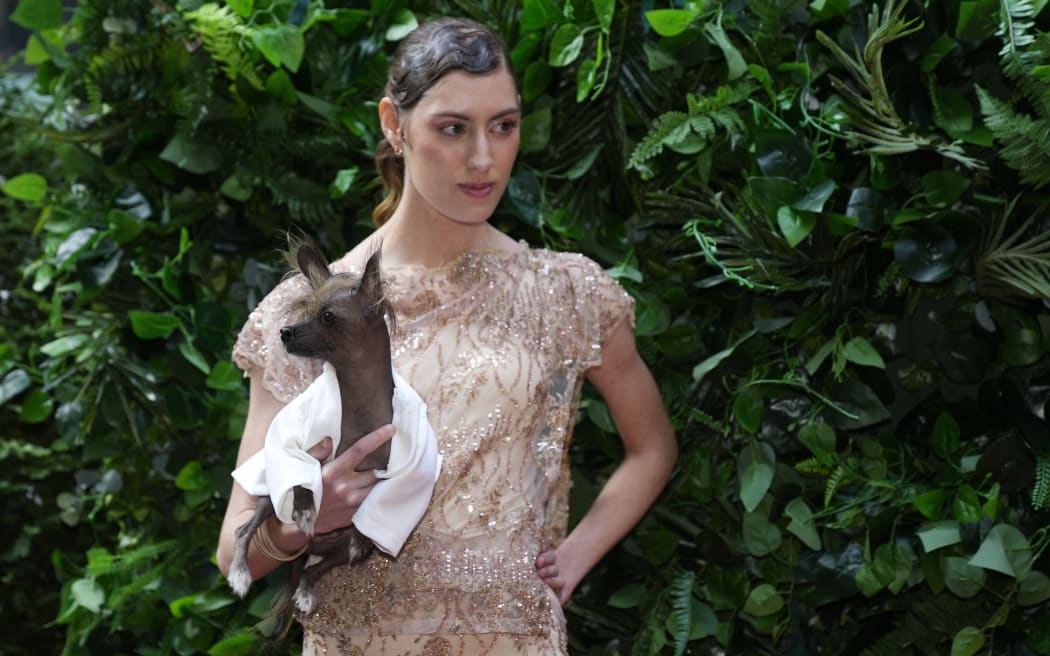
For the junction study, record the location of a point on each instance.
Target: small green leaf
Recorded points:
(538, 14)
(603, 11)
(928, 255)
(935, 535)
(88, 594)
(860, 351)
(764, 600)
(747, 408)
(1034, 589)
(566, 45)
(819, 438)
(966, 506)
(815, 198)
(244, 643)
(1005, 550)
(194, 356)
(193, 156)
(36, 407)
(629, 596)
(280, 87)
(942, 188)
(584, 164)
(931, 503)
(281, 44)
(38, 15)
(28, 187)
(755, 467)
(586, 76)
(64, 345)
(344, 179)
(536, 130)
(945, 437)
(404, 23)
(152, 325)
(192, 477)
(795, 225)
(15, 382)
(537, 77)
(735, 63)
(243, 8)
(961, 578)
(967, 642)
(669, 22)
(802, 525)
(761, 536)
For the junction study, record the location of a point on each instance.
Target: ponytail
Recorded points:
(391, 169)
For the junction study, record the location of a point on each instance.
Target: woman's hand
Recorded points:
(344, 488)
(550, 573)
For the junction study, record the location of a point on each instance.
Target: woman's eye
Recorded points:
(451, 129)
(506, 127)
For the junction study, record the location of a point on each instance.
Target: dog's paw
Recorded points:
(239, 578)
(304, 600)
(305, 519)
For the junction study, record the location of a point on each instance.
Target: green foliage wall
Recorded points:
(833, 217)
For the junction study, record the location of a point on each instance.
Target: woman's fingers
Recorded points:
(352, 457)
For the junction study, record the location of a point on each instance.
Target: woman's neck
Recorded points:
(418, 236)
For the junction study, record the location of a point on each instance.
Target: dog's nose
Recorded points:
(286, 334)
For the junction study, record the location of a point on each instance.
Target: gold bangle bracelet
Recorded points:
(267, 547)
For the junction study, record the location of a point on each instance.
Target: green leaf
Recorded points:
(961, 578)
(193, 156)
(763, 601)
(629, 596)
(584, 164)
(537, 77)
(152, 325)
(861, 402)
(966, 506)
(794, 225)
(945, 437)
(245, 643)
(669, 22)
(536, 130)
(64, 345)
(124, 227)
(928, 255)
(1034, 589)
(538, 14)
(708, 365)
(281, 44)
(404, 22)
(28, 187)
(280, 87)
(194, 356)
(1005, 550)
(819, 438)
(344, 179)
(566, 45)
(735, 62)
(761, 536)
(755, 467)
(603, 11)
(36, 407)
(243, 8)
(936, 52)
(935, 535)
(815, 198)
(747, 409)
(802, 525)
(967, 642)
(893, 565)
(192, 477)
(942, 188)
(931, 503)
(38, 15)
(88, 594)
(860, 351)
(586, 76)
(15, 382)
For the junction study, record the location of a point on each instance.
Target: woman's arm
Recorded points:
(344, 489)
(650, 451)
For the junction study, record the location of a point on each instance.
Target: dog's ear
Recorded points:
(372, 280)
(312, 264)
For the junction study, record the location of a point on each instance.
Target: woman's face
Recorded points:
(460, 142)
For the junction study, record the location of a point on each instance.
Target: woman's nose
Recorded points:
(480, 157)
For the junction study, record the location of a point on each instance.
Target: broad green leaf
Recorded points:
(123, 226)
(815, 198)
(586, 76)
(795, 225)
(755, 467)
(935, 535)
(937, 52)
(966, 505)
(581, 167)
(860, 401)
(36, 407)
(867, 206)
(1005, 550)
(955, 115)
(15, 382)
(942, 188)
(653, 316)
(192, 477)
(194, 356)
(867, 582)
(893, 565)
(193, 156)
(1034, 589)
(931, 503)
(967, 642)
(705, 367)
(28, 187)
(566, 45)
(928, 255)
(152, 325)
(802, 525)
(280, 87)
(819, 438)
(747, 409)
(764, 600)
(735, 62)
(669, 22)
(243, 8)
(404, 22)
(705, 622)
(603, 11)
(961, 578)
(38, 15)
(761, 536)
(244, 643)
(629, 596)
(64, 345)
(945, 437)
(537, 77)
(825, 9)
(538, 14)
(536, 130)
(860, 351)
(344, 179)
(281, 44)
(89, 594)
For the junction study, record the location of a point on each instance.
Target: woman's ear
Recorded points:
(390, 122)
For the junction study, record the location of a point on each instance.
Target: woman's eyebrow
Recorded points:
(464, 117)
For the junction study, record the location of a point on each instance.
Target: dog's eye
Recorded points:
(328, 317)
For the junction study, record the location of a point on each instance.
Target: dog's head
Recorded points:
(343, 316)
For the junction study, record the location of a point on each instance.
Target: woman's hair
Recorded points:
(427, 54)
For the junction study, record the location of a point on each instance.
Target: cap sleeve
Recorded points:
(601, 303)
(258, 349)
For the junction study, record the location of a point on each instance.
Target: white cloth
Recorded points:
(394, 505)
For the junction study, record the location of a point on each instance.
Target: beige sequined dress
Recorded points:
(496, 343)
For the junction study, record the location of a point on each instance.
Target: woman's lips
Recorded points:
(477, 190)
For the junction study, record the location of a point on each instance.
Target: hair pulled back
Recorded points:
(431, 51)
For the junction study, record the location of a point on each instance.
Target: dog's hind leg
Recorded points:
(240, 578)
(303, 512)
(356, 547)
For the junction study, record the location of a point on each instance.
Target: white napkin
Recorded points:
(397, 502)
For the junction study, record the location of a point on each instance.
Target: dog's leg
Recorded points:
(303, 512)
(356, 547)
(240, 578)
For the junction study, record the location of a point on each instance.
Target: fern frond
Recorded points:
(1041, 489)
(1026, 142)
(698, 416)
(1019, 55)
(835, 481)
(221, 31)
(812, 467)
(680, 621)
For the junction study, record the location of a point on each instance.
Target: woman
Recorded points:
(497, 338)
